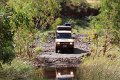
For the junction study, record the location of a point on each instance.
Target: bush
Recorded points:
(20, 70)
(101, 68)
(58, 21)
(38, 50)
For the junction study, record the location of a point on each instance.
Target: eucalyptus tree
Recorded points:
(6, 35)
(46, 12)
(6, 40)
(108, 22)
(27, 17)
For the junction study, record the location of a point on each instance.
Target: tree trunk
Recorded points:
(96, 44)
(1, 66)
(105, 43)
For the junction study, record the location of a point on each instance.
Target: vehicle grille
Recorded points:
(64, 43)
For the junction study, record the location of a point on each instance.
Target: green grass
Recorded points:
(20, 70)
(101, 68)
(98, 67)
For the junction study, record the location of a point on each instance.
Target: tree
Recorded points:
(6, 41)
(46, 12)
(108, 21)
(41, 13)
(28, 16)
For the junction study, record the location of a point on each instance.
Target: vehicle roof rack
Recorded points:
(68, 24)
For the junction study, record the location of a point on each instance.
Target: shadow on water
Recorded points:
(76, 51)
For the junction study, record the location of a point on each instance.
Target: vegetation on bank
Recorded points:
(100, 68)
(104, 62)
(20, 70)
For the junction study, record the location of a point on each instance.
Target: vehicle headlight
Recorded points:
(58, 42)
(71, 72)
(59, 74)
(71, 43)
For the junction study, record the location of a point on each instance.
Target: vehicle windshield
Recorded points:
(64, 28)
(64, 35)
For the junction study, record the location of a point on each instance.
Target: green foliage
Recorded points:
(20, 15)
(83, 3)
(20, 70)
(18, 65)
(26, 16)
(20, 19)
(94, 3)
(22, 25)
(47, 11)
(36, 13)
(22, 39)
(108, 20)
(79, 25)
(38, 50)
(100, 68)
(6, 41)
(58, 21)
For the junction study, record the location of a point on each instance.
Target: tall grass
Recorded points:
(100, 68)
(20, 70)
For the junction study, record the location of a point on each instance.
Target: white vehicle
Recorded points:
(64, 40)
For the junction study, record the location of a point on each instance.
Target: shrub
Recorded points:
(100, 68)
(58, 21)
(38, 50)
(20, 70)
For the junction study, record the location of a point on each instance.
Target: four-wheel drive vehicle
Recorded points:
(64, 41)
